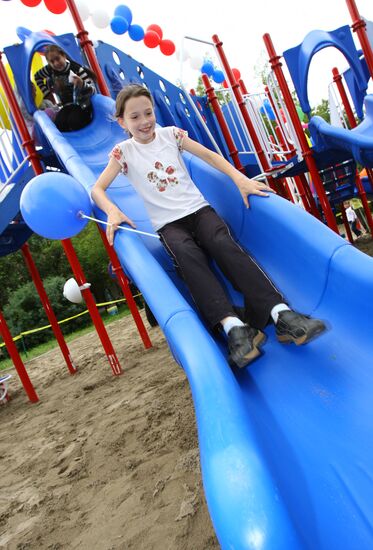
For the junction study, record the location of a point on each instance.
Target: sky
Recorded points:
(240, 28)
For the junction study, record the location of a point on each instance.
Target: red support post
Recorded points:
(337, 78)
(359, 26)
(28, 144)
(17, 361)
(123, 282)
(306, 150)
(92, 308)
(87, 47)
(233, 152)
(274, 184)
(47, 307)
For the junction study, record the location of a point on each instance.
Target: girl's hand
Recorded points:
(248, 187)
(115, 218)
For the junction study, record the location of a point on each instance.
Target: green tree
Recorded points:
(24, 310)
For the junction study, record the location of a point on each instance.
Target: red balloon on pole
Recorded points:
(236, 74)
(31, 3)
(167, 47)
(55, 6)
(157, 29)
(151, 39)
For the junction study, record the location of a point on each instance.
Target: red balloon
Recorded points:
(236, 74)
(55, 6)
(167, 47)
(157, 29)
(31, 3)
(225, 85)
(151, 39)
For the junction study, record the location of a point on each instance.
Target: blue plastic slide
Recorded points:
(287, 444)
(358, 141)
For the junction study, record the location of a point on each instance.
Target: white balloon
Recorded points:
(100, 18)
(72, 291)
(83, 10)
(182, 55)
(196, 62)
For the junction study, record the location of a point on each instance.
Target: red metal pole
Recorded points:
(27, 141)
(17, 361)
(359, 26)
(243, 86)
(123, 282)
(92, 308)
(28, 144)
(47, 307)
(233, 152)
(306, 151)
(87, 46)
(275, 184)
(337, 78)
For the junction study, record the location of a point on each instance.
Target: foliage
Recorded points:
(24, 310)
(322, 110)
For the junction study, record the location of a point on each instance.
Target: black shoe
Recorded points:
(243, 342)
(295, 327)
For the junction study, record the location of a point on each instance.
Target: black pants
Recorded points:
(192, 242)
(72, 117)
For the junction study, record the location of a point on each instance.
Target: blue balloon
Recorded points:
(50, 205)
(125, 12)
(119, 25)
(136, 33)
(218, 76)
(266, 109)
(207, 68)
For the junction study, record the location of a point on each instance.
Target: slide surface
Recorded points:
(358, 141)
(286, 445)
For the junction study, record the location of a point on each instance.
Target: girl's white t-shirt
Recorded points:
(158, 173)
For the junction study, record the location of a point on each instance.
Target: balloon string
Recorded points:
(81, 215)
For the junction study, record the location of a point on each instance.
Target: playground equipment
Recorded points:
(286, 447)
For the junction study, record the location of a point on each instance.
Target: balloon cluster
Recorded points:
(207, 67)
(121, 22)
(54, 6)
(216, 74)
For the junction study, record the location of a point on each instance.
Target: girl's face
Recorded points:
(139, 119)
(56, 60)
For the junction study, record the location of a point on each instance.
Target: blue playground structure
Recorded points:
(286, 445)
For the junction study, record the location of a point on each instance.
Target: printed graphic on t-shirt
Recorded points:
(117, 153)
(162, 177)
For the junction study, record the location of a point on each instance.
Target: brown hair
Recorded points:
(126, 93)
(53, 48)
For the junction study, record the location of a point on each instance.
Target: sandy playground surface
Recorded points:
(103, 462)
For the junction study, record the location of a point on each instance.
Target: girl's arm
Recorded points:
(114, 215)
(245, 185)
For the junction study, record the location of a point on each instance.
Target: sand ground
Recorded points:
(103, 462)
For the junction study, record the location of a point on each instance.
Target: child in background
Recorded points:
(73, 85)
(191, 230)
(352, 218)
